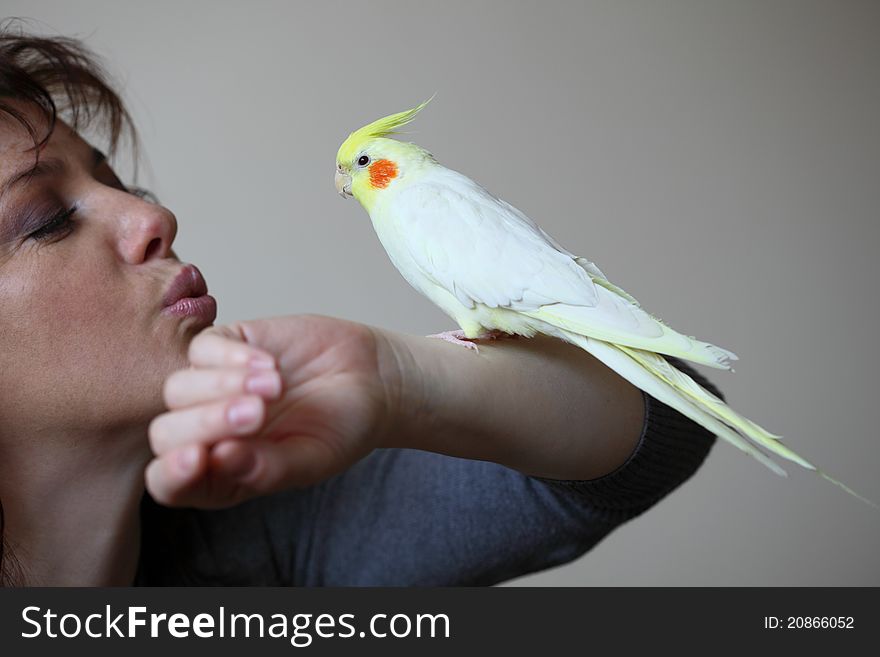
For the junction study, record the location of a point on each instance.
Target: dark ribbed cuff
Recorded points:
(670, 449)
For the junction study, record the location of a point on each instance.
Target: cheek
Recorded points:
(52, 316)
(55, 300)
(382, 172)
(77, 339)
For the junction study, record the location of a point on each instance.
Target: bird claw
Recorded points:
(456, 337)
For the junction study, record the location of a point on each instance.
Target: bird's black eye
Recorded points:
(363, 161)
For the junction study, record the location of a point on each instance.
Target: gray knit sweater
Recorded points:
(402, 517)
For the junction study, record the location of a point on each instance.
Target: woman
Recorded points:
(284, 456)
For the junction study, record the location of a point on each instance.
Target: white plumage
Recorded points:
(491, 268)
(449, 237)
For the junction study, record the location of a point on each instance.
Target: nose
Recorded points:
(147, 232)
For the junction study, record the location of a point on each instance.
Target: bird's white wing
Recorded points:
(484, 251)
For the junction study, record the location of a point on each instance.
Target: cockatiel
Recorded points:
(492, 269)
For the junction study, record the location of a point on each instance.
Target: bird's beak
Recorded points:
(343, 184)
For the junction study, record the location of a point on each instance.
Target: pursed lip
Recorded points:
(189, 282)
(187, 296)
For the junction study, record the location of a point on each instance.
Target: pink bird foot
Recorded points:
(458, 337)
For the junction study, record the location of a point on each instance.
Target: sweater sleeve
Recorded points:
(670, 450)
(403, 517)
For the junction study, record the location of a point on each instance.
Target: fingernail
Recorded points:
(261, 362)
(188, 458)
(267, 384)
(244, 413)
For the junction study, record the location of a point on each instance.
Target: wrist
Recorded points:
(402, 384)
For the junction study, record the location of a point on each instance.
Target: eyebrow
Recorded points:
(44, 167)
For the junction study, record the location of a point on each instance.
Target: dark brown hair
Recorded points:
(64, 80)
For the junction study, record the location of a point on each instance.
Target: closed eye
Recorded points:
(61, 223)
(56, 227)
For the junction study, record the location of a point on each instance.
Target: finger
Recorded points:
(212, 348)
(234, 470)
(232, 459)
(213, 484)
(206, 423)
(197, 386)
(292, 462)
(172, 479)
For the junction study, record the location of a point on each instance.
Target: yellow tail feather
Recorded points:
(614, 357)
(685, 384)
(656, 376)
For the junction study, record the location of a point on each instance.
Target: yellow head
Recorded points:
(368, 164)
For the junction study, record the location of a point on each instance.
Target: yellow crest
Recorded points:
(383, 127)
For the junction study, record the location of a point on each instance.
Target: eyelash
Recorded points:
(55, 226)
(61, 221)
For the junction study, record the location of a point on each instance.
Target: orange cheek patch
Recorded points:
(382, 172)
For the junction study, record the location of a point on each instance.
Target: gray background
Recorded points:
(720, 162)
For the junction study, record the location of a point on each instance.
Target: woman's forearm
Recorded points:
(539, 405)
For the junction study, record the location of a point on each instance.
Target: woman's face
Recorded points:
(89, 327)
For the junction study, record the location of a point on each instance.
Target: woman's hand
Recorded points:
(287, 402)
(269, 405)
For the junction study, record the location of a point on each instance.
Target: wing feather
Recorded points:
(463, 237)
(484, 251)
